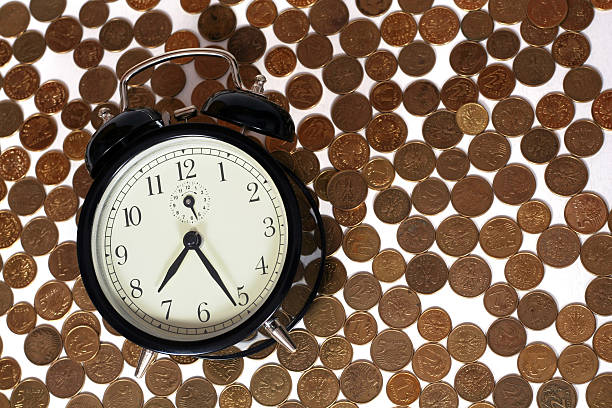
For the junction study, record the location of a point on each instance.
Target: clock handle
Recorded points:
(168, 56)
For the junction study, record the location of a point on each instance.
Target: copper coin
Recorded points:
(361, 243)
(586, 213)
(152, 29)
(578, 363)
(571, 49)
(6, 298)
(52, 167)
(130, 352)
(347, 189)
(179, 40)
(597, 295)
(575, 323)
(88, 54)
(398, 28)
(362, 291)
(514, 184)
(503, 44)
(314, 51)
(291, 25)
(81, 181)
(65, 378)
(421, 98)
(468, 58)
(82, 343)
(391, 350)
(217, 22)
(349, 151)
(38, 132)
(403, 388)
(81, 298)
(399, 307)
(360, 38)
(474, 382)
(30, 387)
(350, 112)
(566, 175)
(163, 377)
(426, 273)
(439, 25)
(97, 85)
(233, 396)
(106, 366)
(327, 17)
(43, 345)
(439, 394)
(537, 310)
(373, 9)
(594, 254)
(63, 261)
(496, 81)
(500, 237)
(477, 25)
(472, 196)
(512, 116)
(579, 16)
(11, 228)
(280, 61)
(379, 173)
(508, 15)
(309, 391)
(126, 393)
(457, 236)
(469, 276)
(596, 393)
(263, 376)
(458, 91)
(168, 79)
(452, 164)
(417, 58)
(431, 362)
(472, 118)
(142, 5)
(343, 74)
(21, 82)
(582, 84)
(414, 161)
(53, 300)
(333, 278)
(130, 58)
(63, 34)
(325, 317)
(260, 13)
(512, 391)
(75, 144)
(304, 91)
(540, 145)
(320, 183)
(29, 47)
(500, 299)
(555, 110)
(601, 5)
(93, 13)
(386, 132)
(305, 355)
(6, 52)
(533, 216)
(247, 44)
(533, 66)
(81, 318)
(12, 118)
(415, 6)
(360, 328)
(506, 336)
(415, 234)
(21, 318)
(333, 235)
(194, 6)
(556, 391)
(336, 353)
(76, 114)
(537, 36)
(380, 65)
(388, 266)
(39, 236)
(547, 14)
(524, 270)
(558, 246)
(537, 362)
(306, 165)
(20, 270)
(430, 196)
(361, 381)
(467, 343)
(315, 132)
(602, 341)
(601, 110)
(27, 195)
(14, 19)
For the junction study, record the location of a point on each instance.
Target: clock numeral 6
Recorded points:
(188, 164)
(132, 216)
(136, 291)
(270, 229)
(203, 314)
(121, 252)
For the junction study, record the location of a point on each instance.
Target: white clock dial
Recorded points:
(189, 189)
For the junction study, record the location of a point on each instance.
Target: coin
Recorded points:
(417, 58)
(500, 237)
(469, 276)
(266, 374)
(349, 151)
(88, 54)
(12, 118)
(21, 82)
(360, 328)
(434, 324)
(392, 205)
(398, 28)
(415, 6)
(95, 117)
(506, 336)
(431, 362)
(537, 310)
(362, 291)
(578, 363)
(325, 316)
(439, 394)
(533, 216)
(533, 66)
(391, 350)
(347, 189)
(439, 25)
(163, 377)
(305, 355)
(6, 52)
(10, 227)
(6, 298)
(415, 234)
(30, 390)
(327, 17)
(512, 116)
(81, 318)
(474, 382)
(399, 307)
(350, 112)
(373, 9)
(381, 65)
(360, 38)
(53, 300)
(468, 58)
(583, 138)
(81, 298)
(537, 36)
(126, 393)
(97, 85)
(361, 243)
(14, 19)
(458, 91)
(11, 373)
(235, 396)
(336, 353)
(600, 110)
(467, 343)
(555, 110)
(21, 318)
(601, 5)
(414, 161)
(361, 381)
(142, 5)
(421, 98)
(472, 196)
(524, 270)
(52, 167)
(472, 118)
(304, 91)
(602, 341)
(457, 236)
(63, 34)
(75, 144)
(29, 47)
(594, 254)
(65, 378)
(571, 49)
(540, 145)
(94, 13)
(27, 195)
(386, 96)
(547, 14)
(388, 265)
(537, 362)
(378, 173)
(575, 323)
(315, 132)
(151, 30)
(426, 273)
(333, 275)
(496, 81)
(19, 270)
(503, 44)
(514, 184)
(84, 399)
(318, 387)
(596, 296)
(38, 132)
(260, 13)
(403, 388)
(452, 164)
(586, 213)
(342, 74)
(596, 390)
(558, 246)
(512, 391)
(477, 25)
(291, 25)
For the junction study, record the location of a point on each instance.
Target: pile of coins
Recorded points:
(331, 44)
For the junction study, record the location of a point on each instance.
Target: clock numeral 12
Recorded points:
(132, 216)
(188, 164)
(157, 189)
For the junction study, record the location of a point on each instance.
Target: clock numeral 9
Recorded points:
(203, 314)
(252, 186)
(133, 216)
(136, 291)
(121, 252)
(188, 164)
(270, 229)
(243, 298)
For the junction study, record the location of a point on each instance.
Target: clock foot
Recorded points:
(280, 334)
(144, 361)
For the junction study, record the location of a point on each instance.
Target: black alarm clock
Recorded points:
(190, 236)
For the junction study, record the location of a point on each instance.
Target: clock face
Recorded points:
(189, 238)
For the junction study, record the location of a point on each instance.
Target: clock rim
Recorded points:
(116, 160)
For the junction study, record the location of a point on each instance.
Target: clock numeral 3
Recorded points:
(203, 314)
(188, 164)
(132, 216)
(136, 291)
(261, 265)
(252, 187)
(270, 230)
(243, 298)
(121, 252)
(154, 187)
(169, 303)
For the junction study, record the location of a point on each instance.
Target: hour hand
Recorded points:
(173, 268)
(214, 274)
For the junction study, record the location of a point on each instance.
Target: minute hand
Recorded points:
(213, 273)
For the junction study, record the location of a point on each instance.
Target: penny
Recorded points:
(458, 91)
(537, 362)
(217, 22)
(439, 25)
(65, 378)
(21, 318)
(597, 296)
(558, 246)
(533, 66)
(333, 235)
(547, 14)
(97, 85)
(142, 5)
(430, 196)
(512, 391)
(6, 298)
(163, 377)
(391, 350)
(53, 300)
(380, 65)
(38, 132)
(373, 9)
(280, 61)
(417, 58)
(582, 84)
(19, 270)
(472, 196)
(52, 167)
(508, 15)
(336, 353)
(601, 5)
(266, 374)
(304, 91)
(537, 310)
(6, 52)
(29, 47)
(500, 237)
(415, 234)
(82, 343)
(362, 291)
(360, 38)
(12, 118)
(235, 396)
(85, 400)
(343, 74)
(247, 44)
(452, 164)
(315, 132)
(540, 145)
(179, 40)
(533, 216)
(63, 262)
(314, 51)
(392, 205)
(506, 336)
(130, 352)
(512, 116)
(14, 19)
(439, 394)
(125, 393)
(27, 195)
(571, 49)
(81, 298)
(11, 228)
(306, 165)
(496, 81)
(350, 112)
(524, 270)
(75, 144)
(30, 390)
(514, 184)
(601, 110)
(291, 25)
(347, 189)
(426, 273)
(537, 36)
(474, 382)
(325, 316)
(415, 6)
(151, 30)
(575, 323)
(431, 362)
(349, 151)
(578, 363)
(360, 328)
(94, 13)
(318, 387)
(477, 25)
(305, 355)
(602, 340)
(81, 318)
(43, 345)
(467, 343)
(39, 236)
(421, 98)
(503, 44)
(434, 324)
(260, 13)
(399, 307)
(320, 183)
(168, 79)
(586, 213)
(457, 236)
(327, 17)
(130, 58)
(21, 82)
(555, 110)
(472, 118)
(361, 381)
(596, 393)
(361, 243)
(398, 28)
(468, 58)
(161, 402)
(88, 54)
(579, 16)
(388, 266)
(403, 388)
(63, 34)
(469, 276)
(333, 276)
(378, 173)
(594, 254)
(414, 161)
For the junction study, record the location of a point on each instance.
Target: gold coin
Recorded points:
(82, 343)
(434, 324)
(388, 265)
(14, 163)
(472, 118)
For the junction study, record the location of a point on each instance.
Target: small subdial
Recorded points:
(189, 202)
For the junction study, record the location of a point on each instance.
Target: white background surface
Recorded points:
(566, 284)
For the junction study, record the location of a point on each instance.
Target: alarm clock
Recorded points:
(190, 236)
